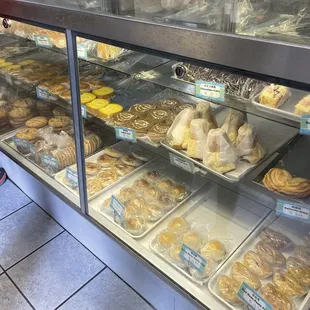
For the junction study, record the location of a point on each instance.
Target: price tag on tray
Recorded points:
(293, 210)
(210, 90)
(251, 298)
(82, 51)
(192, 258)
(42, 93)
(125, 134)
(117, 206)
(50, 161)
(305, 125)
(72, 177)
(84, 111)
(182, 163)
(42, 41)
(22, 143)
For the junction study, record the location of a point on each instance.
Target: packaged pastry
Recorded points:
(155, 212)
(276, 299)
(241, 273)
(288, 285)
(302, 253)
(274, 95)
(193, 239)
(219, 154)
(165, 185)
(174, 255)
(166, 240)
(106, 161)
(92, 168)
(257, 264)
(113, 151)
(141, 185)
(178, 133)
(152, 193)
(131, 160)
(232, 123)
(303, 106)
(178, 225)
(134, 225)
(275, 238)
(137, 202)
(167, 202)
(299, 270)
(270, 254)
(213, 250)
(107, 52)
(122, 169)
(179, 192)
(228, 289)
(209, 268)
(152, 176)
(127, 193)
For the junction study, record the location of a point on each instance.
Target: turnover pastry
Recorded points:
(228, 289)
(270, 254)
(276, 299)
(240, 274)
(232, 123)
(214, 250)
(274, 95)
(275, 238)
(178, 225)
(299, 270)
(303, 106)
(257, 264)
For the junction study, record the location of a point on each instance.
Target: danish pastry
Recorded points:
(106, 160)
(228, 289)
(107, 177)
(240, 274)
(257, 264)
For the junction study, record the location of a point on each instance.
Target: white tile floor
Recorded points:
(46, 268)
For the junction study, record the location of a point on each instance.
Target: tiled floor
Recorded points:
(43, 267)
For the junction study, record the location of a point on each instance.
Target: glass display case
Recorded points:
(198, 165)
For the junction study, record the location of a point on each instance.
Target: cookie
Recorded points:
(29, 134)
(37, 122)
(18, 113)
(25, 103)
(59, 121)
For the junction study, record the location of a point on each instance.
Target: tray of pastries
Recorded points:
(148, 197)
(227, 143)
(107, 168)
(274, 261)
(282, 101)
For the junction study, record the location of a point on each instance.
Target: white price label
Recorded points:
(42, 93)
(125, 134)
(117, 206)
(43, 41)
(210, 90)
(192, 258)
(293, 210)
(181, 163)
(82, 52)
(72, 176)
(49, 161)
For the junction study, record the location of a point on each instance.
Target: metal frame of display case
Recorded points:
(271, 60)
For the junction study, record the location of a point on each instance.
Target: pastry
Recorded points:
(130, 212)
(184, 106)
(274, 95)
(276, 299)
(107, 177)
(106, 161)
(141, 126)
(299, 270)
(302, 253)
(137, 202)
(29, 134)
(96, 84)
(157, 116)
(231, 125)
(214, 250)
(165, 185)
(178, 133)
(122, 118)
(166, 240)
(122, 169)
(95, 105)
(141, 184)
(275, 238)
(204, 111)
(219, 154)
(110, 110)
(25, 103)
(193, 240)
(107, 52)
(142, 108)
(113, 152)
(174, 253)
(240, 274)
(58, 89)
(104, 92)
(37, 122)
(166, 202)
(270, 254)
(87, 97)
(303, 106)
(152, 193)
(152, 176)
(141, 154)
(157, 132)
(84, 88)
(179, 192)
(257, 264)
(287, 285)
(135, 225)
(66, 95)
(178, 225)
(170, 104)
(19, 113)
(228, 289)
(93, 186)
(127, 193)
(155, 212)
(92, 168)
(130, 160)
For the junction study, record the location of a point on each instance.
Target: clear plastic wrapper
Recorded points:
(241, 273)
(299, 270)
(275, 238)
(272, 255)
(302, 253)
(257, 264)
(228, 289)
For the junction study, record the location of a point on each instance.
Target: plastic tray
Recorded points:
(286, 110)
(272, 135)
(193, 182)
(295, 230)
(124, 146)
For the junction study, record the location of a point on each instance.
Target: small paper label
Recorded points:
(117, 206)
(293, 210)
(8, 79)
(72, 176)
(42, 93)
(305, 125)
(42, 41)
(192, 258)
(82, 52)
(125, 134)
(251, 298)
(22, 143)
(181, 163)
(210, 90)
(49, 161)
(84, 111)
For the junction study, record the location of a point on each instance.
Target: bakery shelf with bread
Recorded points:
(109, 167)
(274, 261)
(148, 196)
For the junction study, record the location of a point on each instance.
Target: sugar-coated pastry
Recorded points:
(274, 95)
(276, 299)
(240, 274)
(299, 270)
(127, 193)
(106, 161)
(270, 254)
(193, 240)
(141, 185)
(165, 185)
(214, 250)
(228, 289)
(178, 225)
(179, 192)
(92, 168)
(152, 176)
(277, 239)
(257, 264)
(113, 152)
(130, 160)
(166, 239)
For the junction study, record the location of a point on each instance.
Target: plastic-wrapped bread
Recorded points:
(232, 123)
(228, 289)
(205, 112)
(275, 238)
(299, 270)
(302, 253)
(240, 274)
(178, 133)
(276, 299)
(257, 264)
(271, 255)
(219, 154)
(198, 133)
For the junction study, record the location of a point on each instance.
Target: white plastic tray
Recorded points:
(295, 230)
(159, 164)
(123, 146)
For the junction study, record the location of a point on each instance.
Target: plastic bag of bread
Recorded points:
(240, 274)
(178, 133)
(219, 154)
(302, 253)
(228, 289)
(275, 238)
(232, 123)
(299, 270)
(276, 299)
(271, 255)
(257, 264)
(204, 111)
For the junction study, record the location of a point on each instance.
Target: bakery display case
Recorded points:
(195, 162)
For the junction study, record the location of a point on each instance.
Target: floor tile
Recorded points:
(23, 232)
(54, 272)
(106, 291)
(10, 297)
(11, 199)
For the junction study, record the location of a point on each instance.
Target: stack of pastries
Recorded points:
(197, 133)
(284, 279)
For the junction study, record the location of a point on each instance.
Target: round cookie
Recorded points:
(37, 122)
(29, 134)
(19, 113)
(59, 121)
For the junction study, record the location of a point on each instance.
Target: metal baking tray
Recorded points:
(273, 136)
(286, 110)
(123, 146)
(159, 164)
(295, 230)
